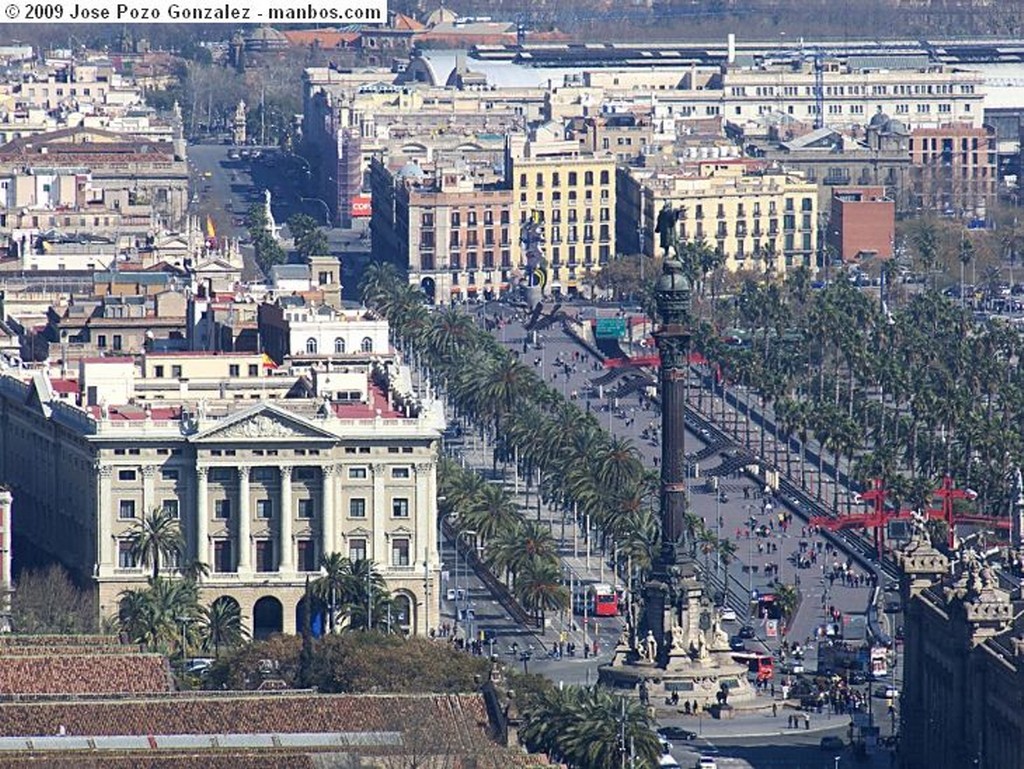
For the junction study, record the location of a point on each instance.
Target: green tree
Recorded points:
(154, 536)
(221, 625)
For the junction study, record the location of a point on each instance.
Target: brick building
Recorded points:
(862, 223)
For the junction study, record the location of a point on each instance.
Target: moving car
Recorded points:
(737, 644)
(728, 615)
(832, 743)
(667, 762)
(676, 733)
(747, 631)
(707, 762)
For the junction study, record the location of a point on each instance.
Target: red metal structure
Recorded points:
(949, 495)
(876, 520)
(879, 516)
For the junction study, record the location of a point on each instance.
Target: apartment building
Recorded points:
(457, 236)
(953, 170)
(743, 215)
(572, 195)
(263, 484)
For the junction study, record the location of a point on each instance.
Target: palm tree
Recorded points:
(195, 571)
(157, 534)
(377, 282)
(368, 601)
(788, 600)
(335, 586)
(221, 625)
(491, 511)
(153, 616)
(539, 588)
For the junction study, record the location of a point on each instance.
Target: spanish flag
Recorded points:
(211, 231)
(268, 362)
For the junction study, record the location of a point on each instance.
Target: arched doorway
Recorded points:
(267, 617)
(402, 617)
(317, 616)
(429, 288)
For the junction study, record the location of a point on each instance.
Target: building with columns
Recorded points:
(263, 486)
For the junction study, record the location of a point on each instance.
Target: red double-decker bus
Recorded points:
(601, 601)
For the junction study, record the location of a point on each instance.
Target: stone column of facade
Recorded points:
(148, 493)
(329, 514)
(203, 517)
(380, 516)
(244, 520)
(104, 516)
(287, 562)
(423, 527)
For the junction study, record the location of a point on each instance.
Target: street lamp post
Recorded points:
(327, 209)
(465, 579)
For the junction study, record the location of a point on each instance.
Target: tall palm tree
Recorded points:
(157, 534)
(539, 588)
(335, 586)
(221, 625)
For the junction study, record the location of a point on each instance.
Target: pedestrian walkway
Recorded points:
(734, 510)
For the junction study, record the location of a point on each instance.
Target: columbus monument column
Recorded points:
(676, 642)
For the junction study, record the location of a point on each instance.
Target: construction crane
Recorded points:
(817, 57)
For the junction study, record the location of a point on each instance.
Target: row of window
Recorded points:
(312, 346)
(471, 218)
(573, 178)
(305, 508)
(556, 197)
(929, 89)
(224, 560)
(263, 474)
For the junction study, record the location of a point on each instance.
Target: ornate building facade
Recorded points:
(263, 487)
(963, 678)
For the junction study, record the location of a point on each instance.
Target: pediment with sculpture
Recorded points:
(266, 423)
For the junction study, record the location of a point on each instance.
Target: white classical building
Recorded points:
(293, 327)
(263, 485)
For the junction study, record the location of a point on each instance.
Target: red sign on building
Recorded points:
(361, 206)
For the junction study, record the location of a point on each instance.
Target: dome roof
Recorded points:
(879, 119)
(411, 170)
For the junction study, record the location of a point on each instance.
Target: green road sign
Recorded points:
(610, 328)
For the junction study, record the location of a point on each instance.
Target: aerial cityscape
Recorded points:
(514, 384)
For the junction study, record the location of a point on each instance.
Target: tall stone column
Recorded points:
(244, 520)
(424, 525)
(666, 587)
(287, 562)
(104, 516)
(203, 517)
(148, 492)
(328, 515)
(379, 555)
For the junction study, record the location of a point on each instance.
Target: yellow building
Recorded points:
(572, 195)
(743, 214)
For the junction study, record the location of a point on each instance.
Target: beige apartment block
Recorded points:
(742, 215)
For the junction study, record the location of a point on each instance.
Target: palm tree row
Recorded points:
(590, 728)
(906, 395)
(523, 550)
(166, 616)
(581, 470)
